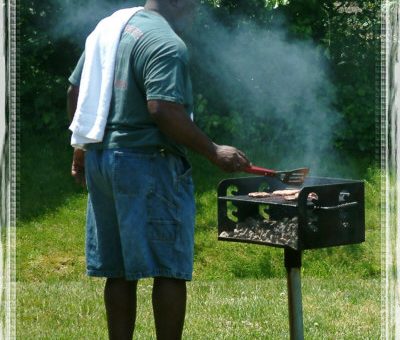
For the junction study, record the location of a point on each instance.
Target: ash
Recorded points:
(283, 232)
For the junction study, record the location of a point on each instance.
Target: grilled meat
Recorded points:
(259, 194)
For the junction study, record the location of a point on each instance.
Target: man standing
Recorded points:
(140, 218)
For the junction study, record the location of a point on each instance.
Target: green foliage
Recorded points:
(353, 49)
(345, 31)
(347, 35)
(45, 62)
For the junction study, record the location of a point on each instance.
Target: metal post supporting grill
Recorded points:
(293, 269)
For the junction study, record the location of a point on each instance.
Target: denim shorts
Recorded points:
(140, 216)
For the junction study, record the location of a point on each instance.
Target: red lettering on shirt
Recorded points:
(135, 32)
(120, 84)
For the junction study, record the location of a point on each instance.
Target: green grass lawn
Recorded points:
(238, 291)
(218, 309)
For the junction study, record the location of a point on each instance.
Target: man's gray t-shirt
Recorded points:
(151, 64)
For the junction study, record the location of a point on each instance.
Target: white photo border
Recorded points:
(10, 173)
(389, 151)
(389, 156)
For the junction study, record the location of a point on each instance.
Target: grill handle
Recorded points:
(336, 207)
(256, 170)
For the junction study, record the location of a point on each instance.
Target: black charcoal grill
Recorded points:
(328, 212)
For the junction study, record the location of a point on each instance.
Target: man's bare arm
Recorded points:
(174, 122)
(78, 159)
(72, 100)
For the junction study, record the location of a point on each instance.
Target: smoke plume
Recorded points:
(277, 85)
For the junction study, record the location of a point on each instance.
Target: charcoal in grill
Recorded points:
(282, 233)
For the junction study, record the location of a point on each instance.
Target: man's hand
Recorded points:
(230, 159)
(78, 167)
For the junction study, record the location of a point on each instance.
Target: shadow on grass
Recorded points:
(263, 266)
(45, 181)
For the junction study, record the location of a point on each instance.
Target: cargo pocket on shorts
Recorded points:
(161, 207)
(167, 204)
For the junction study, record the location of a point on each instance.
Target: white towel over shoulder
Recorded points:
(95, 89)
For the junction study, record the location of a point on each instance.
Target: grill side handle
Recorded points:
(336, 207)
(328, 196)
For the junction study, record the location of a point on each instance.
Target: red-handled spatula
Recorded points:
(294, 177)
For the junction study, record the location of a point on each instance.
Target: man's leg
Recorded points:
(120, 301)
(169, 306)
